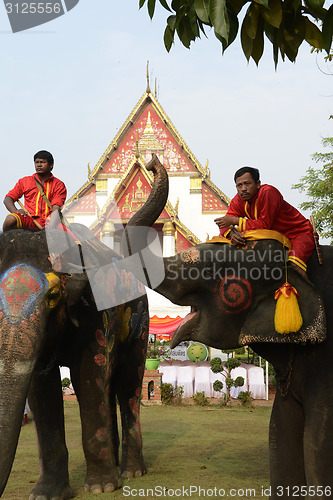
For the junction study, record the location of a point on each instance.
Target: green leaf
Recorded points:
(251, 19)
(185, 32)
(296, 5)
(273, 14)
(165, 5)
(194, 21)
(313, 34)
(234, 25)
(141, 3)
(328, 30)
(169, 36)
(202, 10)
(262, 2)
(201, 27)
(171, 22)
(258, 44)
(247, 43)
(237, 5)
(151, 8)
(315, 4)
(219, 17)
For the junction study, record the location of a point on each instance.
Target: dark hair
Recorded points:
(254, 172)
(44, 155)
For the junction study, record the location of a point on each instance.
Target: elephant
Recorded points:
(231, 293)
(49, 317)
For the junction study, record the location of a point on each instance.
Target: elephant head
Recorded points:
(36, 302)
(230, 290)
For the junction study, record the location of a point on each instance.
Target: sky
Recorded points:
(68, 85)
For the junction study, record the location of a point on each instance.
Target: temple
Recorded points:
(119, 185)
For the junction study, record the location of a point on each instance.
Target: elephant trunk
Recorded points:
(14, 390)
(157, 199)
(20, 346)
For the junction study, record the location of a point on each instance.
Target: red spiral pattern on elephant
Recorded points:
(234, 294)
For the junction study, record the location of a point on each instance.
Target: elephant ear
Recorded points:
(259, 323)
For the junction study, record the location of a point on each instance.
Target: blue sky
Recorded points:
(68, 86)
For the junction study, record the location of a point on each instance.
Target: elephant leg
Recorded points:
(318, 446)
(130, 375)
(46, 403)
(100, 448)
(286, 446)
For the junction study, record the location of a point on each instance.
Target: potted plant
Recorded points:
(155, 353)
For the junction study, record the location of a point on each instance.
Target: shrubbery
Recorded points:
(171, 395)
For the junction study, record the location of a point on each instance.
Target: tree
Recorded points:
(285, 23)
(318, 186)
(217, 367)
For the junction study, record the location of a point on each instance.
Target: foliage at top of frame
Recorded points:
(284, 23)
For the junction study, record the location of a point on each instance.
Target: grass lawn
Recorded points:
(204, 447)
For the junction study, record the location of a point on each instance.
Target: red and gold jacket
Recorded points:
(268, 210)
(54, 189)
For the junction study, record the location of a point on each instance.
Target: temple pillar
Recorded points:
(107, 234)
(168, 239)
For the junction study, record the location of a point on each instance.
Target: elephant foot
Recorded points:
(47, 491)
(102, 484)
(128, 473)
(135, 469)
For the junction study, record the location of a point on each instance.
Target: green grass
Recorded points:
(203, 447)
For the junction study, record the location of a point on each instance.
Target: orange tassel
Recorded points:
(288, 318)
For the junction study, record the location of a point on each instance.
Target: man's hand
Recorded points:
(237, 240)
(21, 211)
(226, 221)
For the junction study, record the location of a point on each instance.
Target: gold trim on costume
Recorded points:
(257, 234)
(19, 222)
(299, 262)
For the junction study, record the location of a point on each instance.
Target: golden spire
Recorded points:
(149, 128)
(148, 88)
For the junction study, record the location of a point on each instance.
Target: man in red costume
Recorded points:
(43, 194)
(257, 206)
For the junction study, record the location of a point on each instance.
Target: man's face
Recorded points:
(42, 167)
(246, 187)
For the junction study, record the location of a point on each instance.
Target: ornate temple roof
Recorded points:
(119, 184)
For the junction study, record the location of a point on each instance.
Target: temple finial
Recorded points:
(89, 172)
(148, 87)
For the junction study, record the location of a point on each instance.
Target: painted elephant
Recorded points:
(49, 318)
(231, 294)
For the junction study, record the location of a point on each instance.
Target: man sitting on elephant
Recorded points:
(43, 194)
(259, 206)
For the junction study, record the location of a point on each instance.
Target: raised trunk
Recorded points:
(148, 265)
(157, 199)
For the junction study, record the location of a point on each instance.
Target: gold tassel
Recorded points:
(288, 316)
